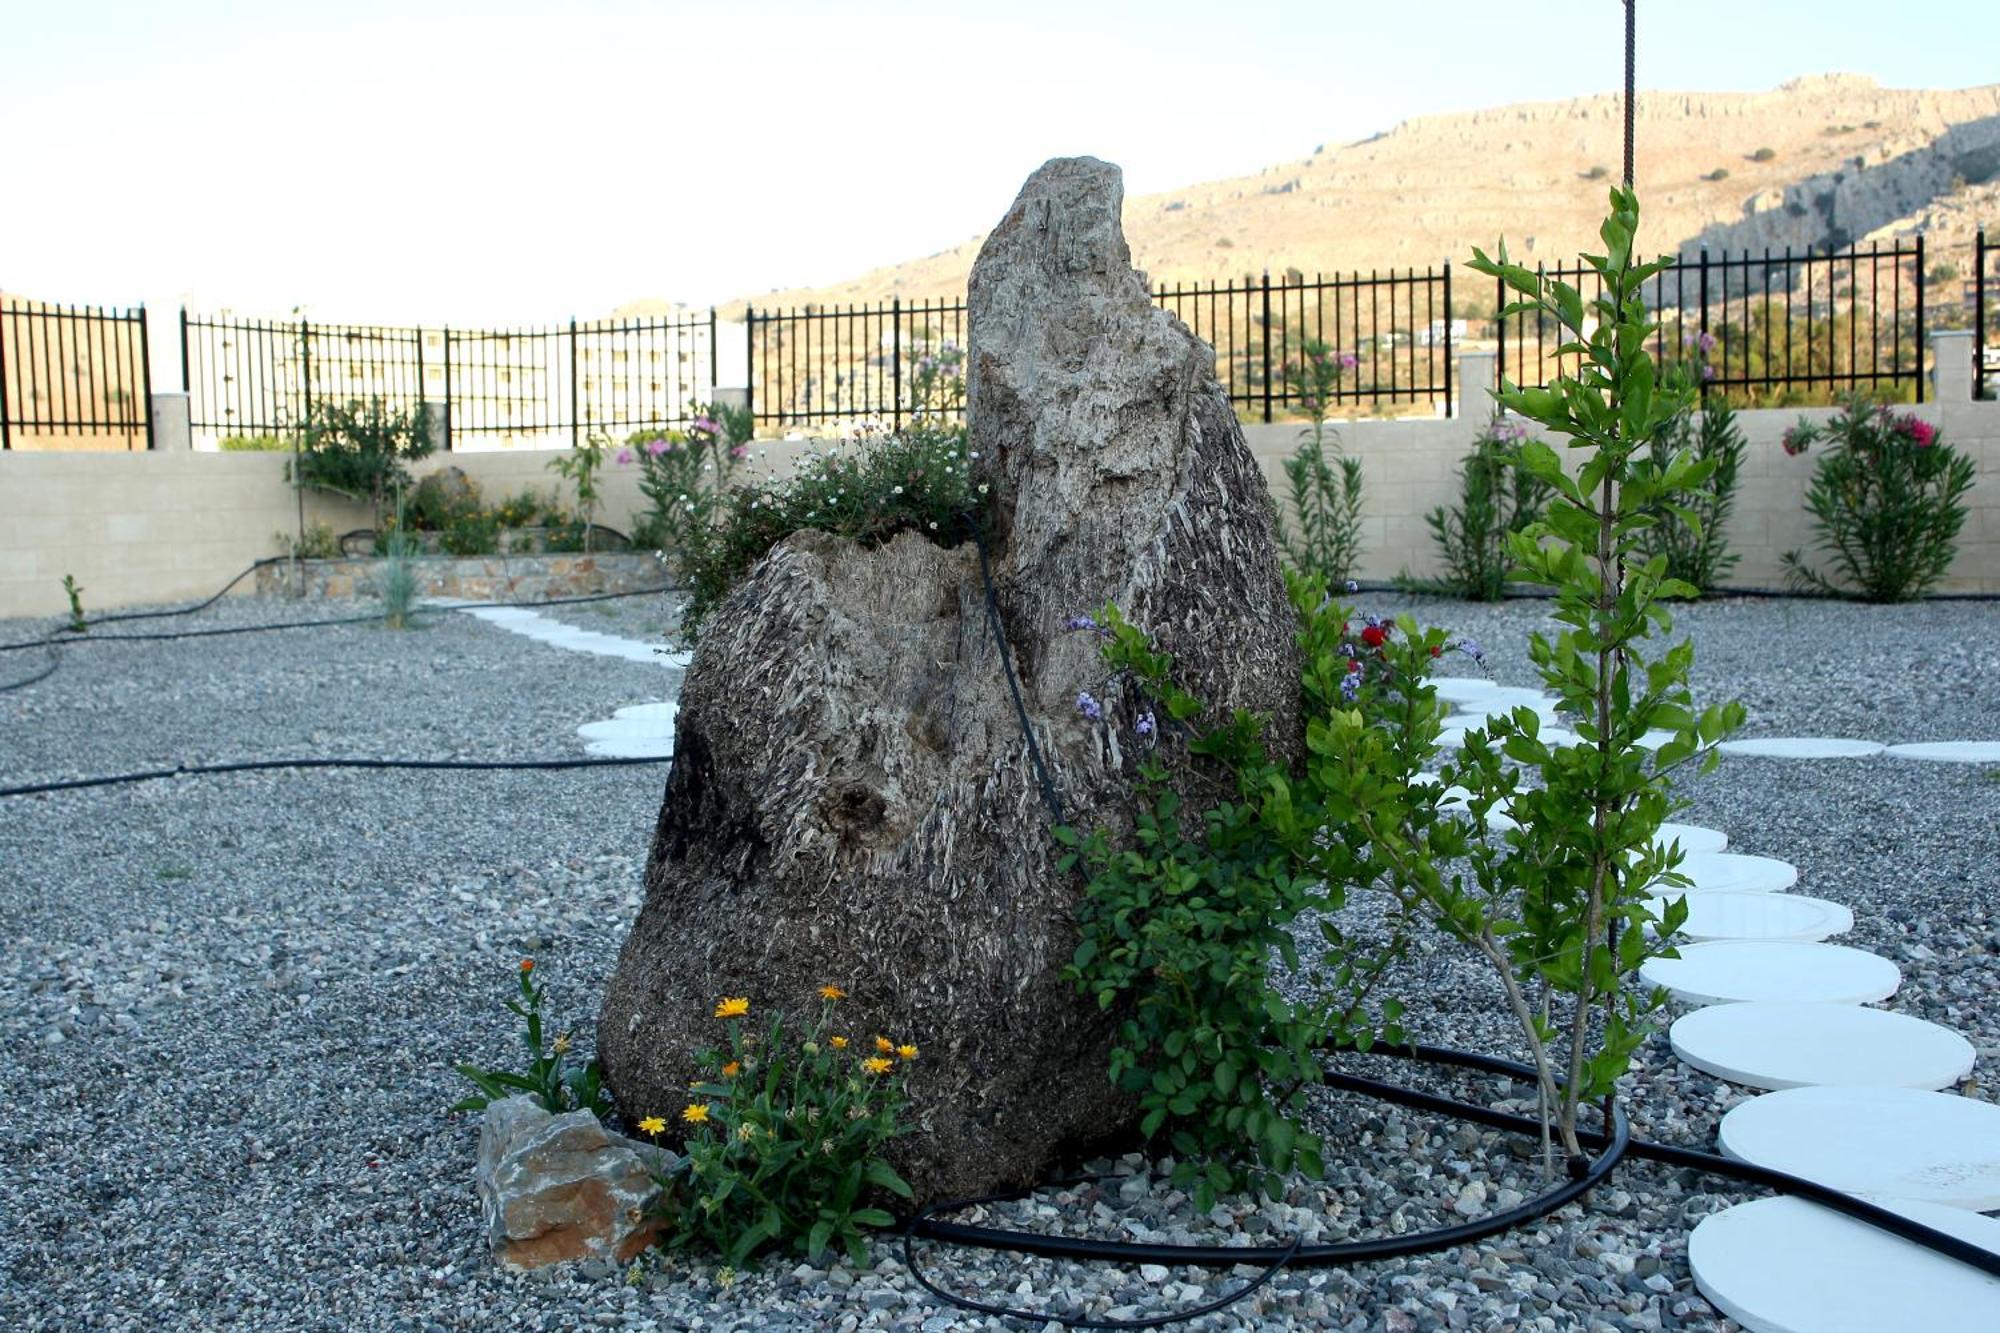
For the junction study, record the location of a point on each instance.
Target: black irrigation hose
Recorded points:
(1613, 1148)
(55, 661)
(1049, 796)
(259, 765)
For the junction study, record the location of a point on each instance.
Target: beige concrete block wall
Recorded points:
(160, 527)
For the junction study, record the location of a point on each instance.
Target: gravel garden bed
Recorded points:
(233, 1002)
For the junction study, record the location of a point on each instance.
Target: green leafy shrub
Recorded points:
(1325, 502)
(396, 581)
(362, 450)
(255, 444)
(318, 542)
(564, 534)
(1182, 920)
(579, 467)
(919, 480)
(548, 1078)
(684, 475)
(441, 499)
(1496, 500)
(1887, 500)
(1689, 530)
(784, 1139)
(471, 531)
(74, 591)
(519, 511)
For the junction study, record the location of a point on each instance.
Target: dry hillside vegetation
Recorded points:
(1823, 158)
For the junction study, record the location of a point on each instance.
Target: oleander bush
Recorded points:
(1496, 500)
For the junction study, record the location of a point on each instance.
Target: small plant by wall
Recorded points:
(1690, 531)
(1496, 500)
(361, 450)
(1324, 540)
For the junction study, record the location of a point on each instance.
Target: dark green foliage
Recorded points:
(1689, 529)
(1496, 500)
(1183, 922)
(361, 449)
(869, 491)
(471, 531)
(1887, 500)
(1325, 497)
(548, 1078)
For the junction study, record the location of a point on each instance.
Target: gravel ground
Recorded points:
(233, 1001)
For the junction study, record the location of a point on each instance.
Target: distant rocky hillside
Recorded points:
(1827, 158)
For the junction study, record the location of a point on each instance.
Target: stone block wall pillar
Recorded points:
(1477, 377)
(172, 431)
(1953, 351)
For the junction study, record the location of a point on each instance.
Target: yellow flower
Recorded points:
(695, 1114)
(838, 1043)
(832, 993)
(885, 1046)
(906, 1052)
(732, 1069)
(652, 1124)
(733, 1007)
(876, 1065)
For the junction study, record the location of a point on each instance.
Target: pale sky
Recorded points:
(433, 160)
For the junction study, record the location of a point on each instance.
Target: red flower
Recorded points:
(1436, 651)
(1374, 636)
(1353, 665)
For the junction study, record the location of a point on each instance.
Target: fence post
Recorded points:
(6, 436)
(449, 411)
(1500, 326)
(714, 374)
(1979, 314)
(305, 369)
(1267, 347)
(750, 363)
(574, 414)
(146, 375)
(1920, 317)
(187, 379)
(1447, 339)
(896, 361)
(1699, 348)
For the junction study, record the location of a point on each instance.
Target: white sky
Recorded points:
(435, 160)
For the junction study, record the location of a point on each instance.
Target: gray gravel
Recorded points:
(232, 1002)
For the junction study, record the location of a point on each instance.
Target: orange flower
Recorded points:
(832, 993)
(838, 1043)
(527, 964)
(885, 1046)
(906, 1052)
(733, 1007)
(695, 1114)
(876, 1065)
(732, 1069)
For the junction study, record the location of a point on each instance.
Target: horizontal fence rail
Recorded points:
(69, 371)
(819, 365)
(1769, 329)
(547, 386)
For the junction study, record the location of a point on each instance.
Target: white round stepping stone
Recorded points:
(666, 710)
(627, 728)
(1741, 971)
(1692, 837)
(1733, 872)
(1900, 1143)
(633, 747)
(1791, 1045)
(1802, 747)
(1782, 1265)
(1951, 752)
(1759, 916)
(1465, 689)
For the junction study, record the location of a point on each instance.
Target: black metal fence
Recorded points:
(1985, 353)
(816, 365)
(1769, 329)
(73, 371)
(495, 386)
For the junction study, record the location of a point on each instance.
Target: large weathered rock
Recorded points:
(852, 801)
(557, 1188)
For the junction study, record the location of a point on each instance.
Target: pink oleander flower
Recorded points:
(656, 447)
(624, 456)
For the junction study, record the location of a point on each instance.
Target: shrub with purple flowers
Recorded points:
(1887, 499)
(684, 474)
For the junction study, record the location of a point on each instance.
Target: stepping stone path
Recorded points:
(642, 731)
(1895, 1142)
(1733, 872)
(1788, 1044)
(1758, 916)
(1786, 1266)
(1950, 752)
(1802, 747)
(1737, 971)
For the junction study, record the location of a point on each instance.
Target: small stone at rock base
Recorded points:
(557, 1188)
